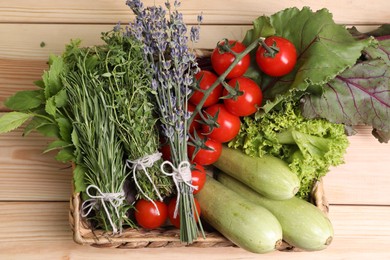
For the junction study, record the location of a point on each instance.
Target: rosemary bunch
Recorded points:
(98, 150)
(172, 66)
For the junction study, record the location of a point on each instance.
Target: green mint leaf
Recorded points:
(50, 106)
(49, 130)
(34, 124)
(52, 77)
(39, 83)
(57, 144)
(360, 95)
(11, 121)
(78, 179)
(25, 100)
(65, 127)
(65, 155)
(61, 98)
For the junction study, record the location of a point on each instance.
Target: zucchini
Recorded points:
(249, 226)
(268, 175)
(304, 225)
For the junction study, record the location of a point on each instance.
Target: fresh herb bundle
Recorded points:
(133, 112)
(98, 149)
(172, 67)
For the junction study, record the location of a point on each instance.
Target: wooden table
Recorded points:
(35, 189)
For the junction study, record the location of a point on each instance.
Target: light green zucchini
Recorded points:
(304, 225)
(268, 175)
(249, 226)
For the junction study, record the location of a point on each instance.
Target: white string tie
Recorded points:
(115, 199)
(181, 174)
(142, 164)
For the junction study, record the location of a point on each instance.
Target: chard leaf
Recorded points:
(360, 95)
(25, 100)
(380, 52)
(11, 121)
(324, 49)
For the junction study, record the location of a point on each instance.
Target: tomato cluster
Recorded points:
(152, 216)
(218, 116)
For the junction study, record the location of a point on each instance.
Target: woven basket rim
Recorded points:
(162, 237)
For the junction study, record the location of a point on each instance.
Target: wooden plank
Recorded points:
(27, 174)
(215, 12)
(360, 232)
(364, 178)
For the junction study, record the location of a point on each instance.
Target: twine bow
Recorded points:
(142, 164)
(181, 174)
(115, 199)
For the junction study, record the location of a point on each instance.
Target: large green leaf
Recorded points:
(11, 121)
(324, 48)
(360, 95)
(25, 100)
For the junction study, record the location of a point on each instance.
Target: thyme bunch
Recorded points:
(127, 85)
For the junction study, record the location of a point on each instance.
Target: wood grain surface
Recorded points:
(35, 189)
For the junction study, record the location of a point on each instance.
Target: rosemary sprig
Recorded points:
(98, 150)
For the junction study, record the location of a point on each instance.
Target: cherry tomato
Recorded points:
(229, 124)
(205, 156)
(166, 152)
(171, 212)
(198, 177)
(247, 103)
(207, 79)
(221, 61)
(147, 215)
(284, 60)
(195, 124)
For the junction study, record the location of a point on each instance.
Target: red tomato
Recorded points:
(229, 124)
(284, 60)
(171, 212)
(206, 80)
(147, 215)
(247, 103)
(221, 61)
(166, 152)
(198, 177)
(205, 156)
(195, 123)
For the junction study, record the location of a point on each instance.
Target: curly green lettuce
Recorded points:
(309, 146)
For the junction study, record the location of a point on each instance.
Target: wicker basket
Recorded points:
(163, 237)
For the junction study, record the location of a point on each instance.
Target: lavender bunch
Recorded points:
(172, 67)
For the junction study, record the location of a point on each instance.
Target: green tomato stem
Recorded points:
(222, 77)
